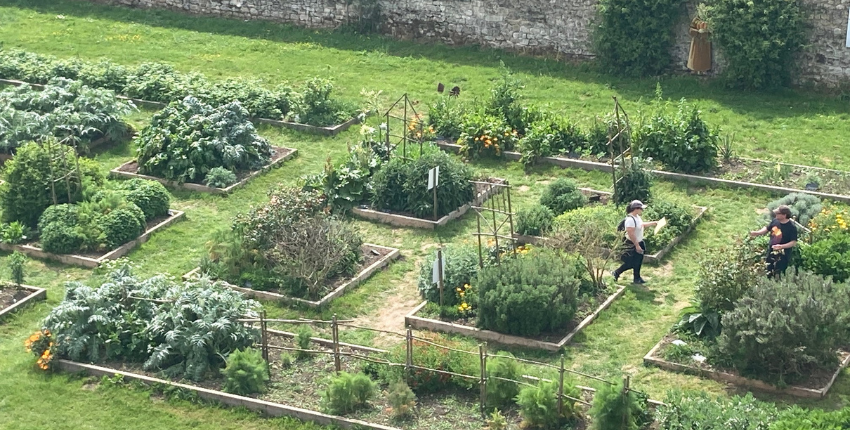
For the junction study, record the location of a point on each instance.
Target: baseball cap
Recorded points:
(784, 210)
(636, 204)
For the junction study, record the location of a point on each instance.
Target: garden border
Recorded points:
(366, 273)
(721, 376)
(649, 258)
(430, 324)
(605, 167)
(36, 294)
(89, 262)
(117, 173)
(409, 221)
(269, 408)
(306, 128)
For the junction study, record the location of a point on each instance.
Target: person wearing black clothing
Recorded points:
(783, 237)
(632, 256)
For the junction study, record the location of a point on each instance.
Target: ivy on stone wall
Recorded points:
(633, 37)
(368, 19)
(759, 39)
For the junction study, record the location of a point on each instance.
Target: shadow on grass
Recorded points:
(778, 103)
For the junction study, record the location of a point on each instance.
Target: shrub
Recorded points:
(58, 228)
(183, 329)
(759, 39)
(635, 183)
(501, 393)
(797, 418)
(679, 218)
(187, 139)
(615, 409)
(150, 196)
(829, 256)
(123, 224)
(14, 233)
(538, 405)
(536, 220)
(682, 142)
(696, 410)
(219, 177)
(728, 274)
(402, 400)
(348, 392)
(830, 219)
(27, 190)
(446, 116)
(246, 372)
(349, 183)
(316, 107)
(551, 136)
(633, 38)
(606, 216)
(496, 421)
(804, 207)
(303, 338)
(429, 356)
(485, 136)
(785, 328)
(16, 267)
(528, 295)
(562, 196)
(460, 269)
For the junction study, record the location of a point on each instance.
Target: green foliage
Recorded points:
(286, 360)
(184, 141)
(785, 328)
(27, 191)
(728, 274)
(536, 220)
(797, 418)
(505, 103)
(633, 37)
(759, 39)
(538, 405)
(403, 186)
(608, 216)
(123, 224)
(634, 183)
(562, 196)
(64, 110)
(804, 207)
(14, 233)
(696, 410)
(679, 218)
(614, 409)
(496, 421)
(349, 183)
(446, 117)
(316, 107)
(346, 392)
(682, 142)
(432, 357)
(529, 294)
(219, 177)
(16, 267)
(501, 393)
(303, 338)
(150, 196)
(550, 136)
(460, 269)
(402, 400)
(484, 135)
(829, 256)
(246, 372)
(183, 329)
(60, 231)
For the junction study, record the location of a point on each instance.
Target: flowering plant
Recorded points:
(830, 219)
(40, 344)
(486, 135)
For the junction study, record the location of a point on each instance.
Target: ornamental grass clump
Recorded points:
(347, 393)
(246, 372)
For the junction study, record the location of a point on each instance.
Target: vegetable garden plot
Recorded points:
(15, 297)
(92, 259)
(376, 258)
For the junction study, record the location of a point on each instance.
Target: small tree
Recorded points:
(16, 267)
(594, 242)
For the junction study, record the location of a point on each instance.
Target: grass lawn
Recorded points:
(785, 125)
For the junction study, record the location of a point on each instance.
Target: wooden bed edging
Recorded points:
(422, 323)
(268, 408)
(364, 274)
(118, 173)
(651, 360)
(90, 262)
(36, 294)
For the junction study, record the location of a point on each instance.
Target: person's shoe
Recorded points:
(639, 282)
(616, 276)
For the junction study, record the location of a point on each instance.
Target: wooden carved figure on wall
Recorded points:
(699, 59)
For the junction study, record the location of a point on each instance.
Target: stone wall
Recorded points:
(555, 27)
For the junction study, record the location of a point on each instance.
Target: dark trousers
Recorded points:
(777, 262)
(631, 259)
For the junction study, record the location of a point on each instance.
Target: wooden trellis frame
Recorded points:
(496, 215)
(403, 126)
(620, 150)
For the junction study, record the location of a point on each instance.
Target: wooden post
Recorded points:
(440, 273)
(507, 189)
(495, 231)
(482, 354)
(335, 334)
(626, 411)
(265, 342)
(480, 256)
(409, 359)
(561, 387)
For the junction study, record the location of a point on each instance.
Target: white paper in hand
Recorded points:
(661, 223)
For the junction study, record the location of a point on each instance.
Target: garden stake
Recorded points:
(482, 357)
(561, 387)
(495, 232)
(625, 400)
(265, 340)
(440, 273)
(409, 359)
(480, 257)
(510, 213)
(335, 333)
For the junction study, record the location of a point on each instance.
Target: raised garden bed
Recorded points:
(744, 173)
(95, 259)
(550, 342)
(376, 257)
(14, 297)
(483, 192)
(816, 386)
(129, 170)
(306, 128)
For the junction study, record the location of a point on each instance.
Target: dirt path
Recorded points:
(390, 317)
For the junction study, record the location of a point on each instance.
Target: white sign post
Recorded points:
(438, 272)
(433, 182)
